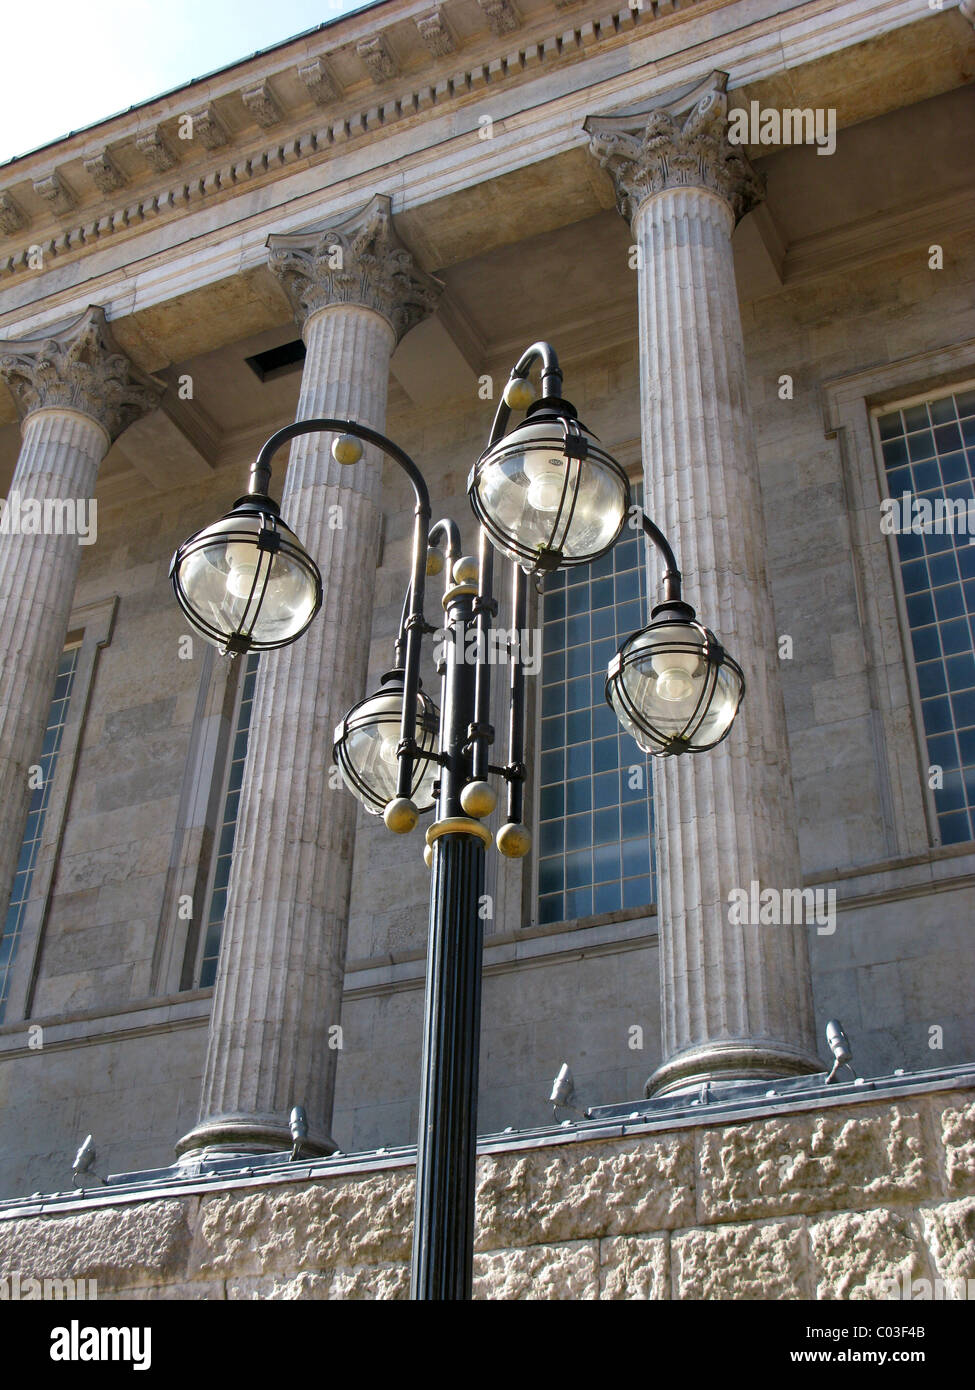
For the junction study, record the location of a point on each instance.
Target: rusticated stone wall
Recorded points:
(830, 1203)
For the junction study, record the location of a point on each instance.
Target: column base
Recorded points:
(740, 1060)
(230, 1136)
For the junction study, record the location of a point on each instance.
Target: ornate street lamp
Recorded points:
(547, 496)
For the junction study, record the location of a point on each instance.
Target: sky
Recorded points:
(79, 61)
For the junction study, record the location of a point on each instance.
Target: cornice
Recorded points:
(423, 155)
(67, 198)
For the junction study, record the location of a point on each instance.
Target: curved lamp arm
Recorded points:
(551, 383)
(447, 531)
(671, 575)
(411, 628)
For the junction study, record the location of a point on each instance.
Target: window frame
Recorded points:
(90, 629)
(847, 405)
(226, 768)
(876, 410)
(634, 471)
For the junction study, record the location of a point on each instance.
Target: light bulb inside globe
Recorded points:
(243, 560)
(547, 480)
(674, 686)
(387, 750)
(547, 494)
(674, 672)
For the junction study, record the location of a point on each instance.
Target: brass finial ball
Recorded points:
(478, 799)
(346, 449)
(465, 570)
(400, 815)
(435, 561)
(514, 840)
(519, 393)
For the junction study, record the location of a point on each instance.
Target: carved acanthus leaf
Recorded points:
(358, 261)
(55, 192)
(12, 216)
(319, 81)
(433, 31)
(262, 104)
(104, 172)
(208, 127)
(647, 151)
(156, 150)
(501, 16)
(375, 53)
(79, 368)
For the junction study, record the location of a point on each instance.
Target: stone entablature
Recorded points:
(829, 1201)
(106, 182)
(344, 78)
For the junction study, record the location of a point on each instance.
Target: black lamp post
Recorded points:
(547, 496)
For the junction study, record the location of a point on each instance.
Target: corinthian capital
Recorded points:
(677, 143)
(82, 368)
(360, 260)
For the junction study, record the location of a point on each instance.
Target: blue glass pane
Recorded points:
(578, 903)
(551, 909)
(937, 565)
(581, 794)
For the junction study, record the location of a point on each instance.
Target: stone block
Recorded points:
(569, 1271)
(305, 1285)
(632, 1267)
(810, 1162)
(121, 1247)
(958, 1138)
(208, 1289)
(746, 1262)
(859, 1254)
(307, 1227)
(372, 1282)
(567, 1193)
(950, 1231)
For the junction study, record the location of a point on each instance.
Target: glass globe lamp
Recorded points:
(673, 686)
(366, 743)
(548, 496)
(246, 583)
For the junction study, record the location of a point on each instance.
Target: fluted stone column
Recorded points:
(75, 392)
(736, 997)
(355, 292)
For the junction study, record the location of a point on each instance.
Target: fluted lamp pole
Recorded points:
(547, 496)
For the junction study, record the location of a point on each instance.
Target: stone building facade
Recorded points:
(747, 230)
